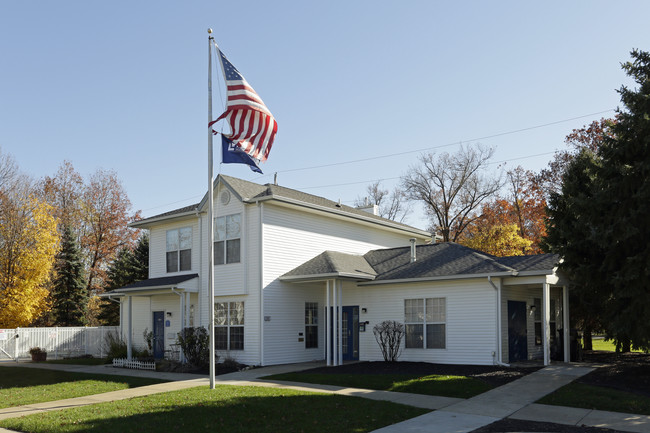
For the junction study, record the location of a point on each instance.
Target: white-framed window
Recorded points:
(425, 323)
(179, 249)
(229, 325)
(311, 325)
(227, 235)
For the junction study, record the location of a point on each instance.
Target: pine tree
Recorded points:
(69, 294)
(128, 267)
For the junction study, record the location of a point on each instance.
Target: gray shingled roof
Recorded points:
(157, 282)
(440, 260)
(333, 263)
(251, 192)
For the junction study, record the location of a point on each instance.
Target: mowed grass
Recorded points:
(608, 346)
(227, 408)
(441, 385)
(20, 386)
(598, 397)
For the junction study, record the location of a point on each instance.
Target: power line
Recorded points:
(515, 131)
(500, 134)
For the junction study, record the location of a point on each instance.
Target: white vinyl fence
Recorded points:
(59, 342)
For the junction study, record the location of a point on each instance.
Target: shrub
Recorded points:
(114, 346)
(195, 343)
(389, 335)
(37, 351)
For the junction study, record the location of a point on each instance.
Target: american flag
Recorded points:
(252, 124)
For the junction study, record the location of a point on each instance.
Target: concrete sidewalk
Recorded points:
(515, 400)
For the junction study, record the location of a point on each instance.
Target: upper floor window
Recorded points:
(179, 249)
(227, 235)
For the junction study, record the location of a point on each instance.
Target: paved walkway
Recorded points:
(514, 400)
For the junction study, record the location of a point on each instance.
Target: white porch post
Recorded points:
(340, 321)
(129, 337)
(335, 345)
(546, 322)
(328, 325)
(566, 324)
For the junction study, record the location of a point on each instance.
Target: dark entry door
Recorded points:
(517, 338)
(158, 334)
(349, 333)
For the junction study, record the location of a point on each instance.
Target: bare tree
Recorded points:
(389, 334)
(452, 187)
(391, 205)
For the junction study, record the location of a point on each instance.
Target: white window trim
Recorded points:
(227, 326)
(225, 241)
(424, 324)
(178, 251)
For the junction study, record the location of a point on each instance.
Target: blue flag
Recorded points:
(233, 154)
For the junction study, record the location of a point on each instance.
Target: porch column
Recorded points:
(566, 325)
(328, 325)
(340, 321)
(129, 337)
(181, 355)
(335, 311)
(546, 322)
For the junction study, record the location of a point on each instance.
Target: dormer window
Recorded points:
(227, 235)
(179, 249)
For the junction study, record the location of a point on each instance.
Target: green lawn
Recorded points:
(20, 386)
(447, 386)
(598, 397)
(229, 409)
(608, 346)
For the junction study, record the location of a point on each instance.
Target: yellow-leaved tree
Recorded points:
(28, 246)
(498, 240)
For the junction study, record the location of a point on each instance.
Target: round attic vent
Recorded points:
(225, 197)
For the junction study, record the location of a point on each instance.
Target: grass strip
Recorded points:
(440, 385)
(20, 386)
(598, 397)
(227, 408)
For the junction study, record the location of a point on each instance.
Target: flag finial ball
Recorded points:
(210, 31)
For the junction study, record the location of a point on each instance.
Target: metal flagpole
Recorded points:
(210, 217)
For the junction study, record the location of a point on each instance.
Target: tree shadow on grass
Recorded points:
(232, 409)
(20, 377)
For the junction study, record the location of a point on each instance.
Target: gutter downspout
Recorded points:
(497, 358)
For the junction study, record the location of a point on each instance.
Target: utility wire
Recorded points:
(413, 151)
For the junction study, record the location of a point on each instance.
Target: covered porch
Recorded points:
(169, 303)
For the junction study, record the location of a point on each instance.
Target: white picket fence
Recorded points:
(139, 365)
(59, 342)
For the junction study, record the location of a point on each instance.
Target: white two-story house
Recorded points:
(301, 278)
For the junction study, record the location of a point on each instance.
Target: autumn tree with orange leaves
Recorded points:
(98, 212)
(511, 223)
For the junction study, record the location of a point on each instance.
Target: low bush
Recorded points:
(195, 343)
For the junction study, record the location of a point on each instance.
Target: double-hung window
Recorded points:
(311, 325)
(179, 249)
(229, 325)
(425, 321)
(227, 234)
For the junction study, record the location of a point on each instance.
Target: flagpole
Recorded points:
(210, 217)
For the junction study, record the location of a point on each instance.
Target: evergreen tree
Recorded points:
(600, 223)
(128, 267)
(69, 292)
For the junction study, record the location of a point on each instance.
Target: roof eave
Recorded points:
(342, 213)
(146, 223)
(440, 278)
(326, 276)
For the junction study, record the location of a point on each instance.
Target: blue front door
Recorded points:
(517, 333)
(158, 334)
(349, 333)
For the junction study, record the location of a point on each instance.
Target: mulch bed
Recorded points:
(514, 425)
(621, 371)
(493, 375)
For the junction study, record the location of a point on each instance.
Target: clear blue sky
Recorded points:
(122, 85)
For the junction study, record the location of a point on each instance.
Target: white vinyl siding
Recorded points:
(292, 237)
